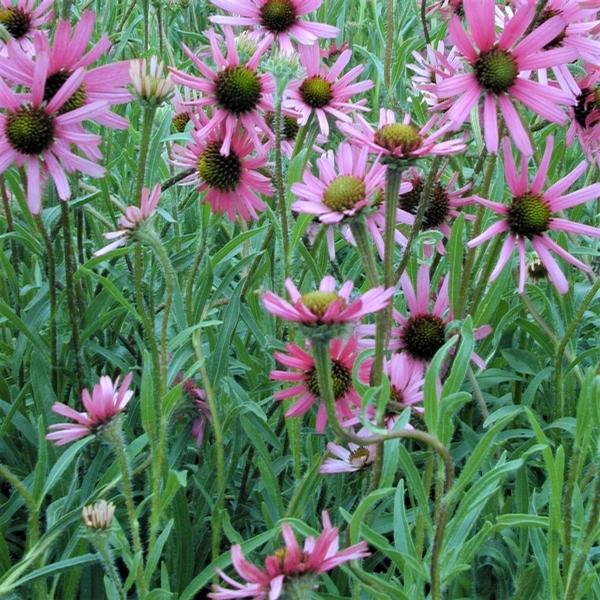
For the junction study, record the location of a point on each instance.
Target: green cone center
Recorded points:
(316, 92)
(437, 207)
(423, 336)
(360, 457)
(218, 171)
(278, 15)
(238, 89)
(529, 215)
(341, 376)
(318, 302)
(16, 21)
(180, 121)
(399, 136)
(496, 70)
(344, 192)
(55, 82)
(30, 130)
(290, 126)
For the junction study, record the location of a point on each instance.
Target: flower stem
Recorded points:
(468, 266)
(384, 317)
(279, 186)
(423, 206)
(71, 292)
(217, 428)
(114, 436)
(102, 547)
(149, 113)
(560, 352)
(365, 249)
(51, 269)
(389, 44)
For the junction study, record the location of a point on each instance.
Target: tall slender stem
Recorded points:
(217, 428)
(51, 268)
(114, 436)
(279, 186)
(100, 542)
(149, 113)
(360, 232)
(71, 292)
(389, 44)
(420, 216)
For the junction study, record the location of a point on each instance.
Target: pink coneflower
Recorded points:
(406, 377)
(182, 109)
(107, 83)
(375, 220)
(106, 401)
(400, 140)
(235, 92)
(291, 567)
(424, 331)
(585, 116)
(34, 135)
(326, 306)
(21, 18)
(303, 376)
(233, 182)
(133, 218)
(346, 185)
(444, 203)
(529, 216)
(351, 459)
(276, 20)
(325, 91)
(431, 68)
(199, 407)
(500, 68)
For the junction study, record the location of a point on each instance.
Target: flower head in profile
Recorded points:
(233, 182)
(324, 90)
(444, 203)
(278, 21)
(400, 140)
(497, 70)
(293, 568)
(236, 93)
(346, 185)
(351, 459)
(35, 135)
(326, 306)
(529, 216)
(106, 401)
(182, 110)
(302, 375)
(422, 332)
(22, 18)
(67, 53)
(585, 115)
(98, 516)
(199, 408)
(133, 218)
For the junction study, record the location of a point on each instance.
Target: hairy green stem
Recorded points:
(33, 525)
(279, 186)
(420, 216)
(113, 434)
(560, 352)
(71, 293)
(100, 543)
(360, 232)
(219, 445)
(51, 272)
(389, 44)
(149, 112)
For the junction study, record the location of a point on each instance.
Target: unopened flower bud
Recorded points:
(151, 80)
(98, 516)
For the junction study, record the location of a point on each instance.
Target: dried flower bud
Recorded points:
(151, 80)
(99, 515)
